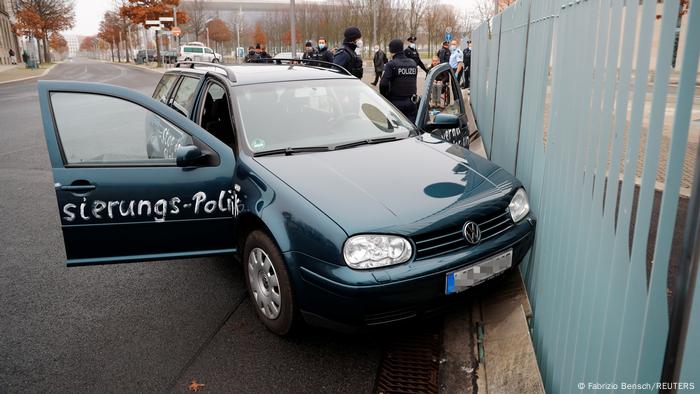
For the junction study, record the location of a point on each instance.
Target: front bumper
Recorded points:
(341, 297)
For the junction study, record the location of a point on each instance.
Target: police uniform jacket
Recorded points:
(399, 78)
(413, 55)
(323, 54)
(346, 57)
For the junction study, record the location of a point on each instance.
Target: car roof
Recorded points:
(254, 73)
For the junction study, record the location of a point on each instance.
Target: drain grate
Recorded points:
(410, 363)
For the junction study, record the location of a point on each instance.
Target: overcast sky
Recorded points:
(89, 12)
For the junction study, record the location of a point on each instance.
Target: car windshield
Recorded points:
(314, 113)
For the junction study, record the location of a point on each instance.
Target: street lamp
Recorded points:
(206, 26)
(293, 30)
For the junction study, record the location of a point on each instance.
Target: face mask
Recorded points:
(453, 47)
(412, 45)
(321, 46)
(376, 49)
(359, 43)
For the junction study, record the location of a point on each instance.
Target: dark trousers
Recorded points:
(406, 106)
(377, 76)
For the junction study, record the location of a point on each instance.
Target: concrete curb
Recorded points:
(33, 76)
(507, 358)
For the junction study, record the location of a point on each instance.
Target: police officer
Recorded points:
(322, 53)
(398, 83)
(345, 56)
(412, 53)
(467, 61)
(309, 51)
(444, 53)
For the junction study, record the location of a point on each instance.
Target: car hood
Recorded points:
(409, 184)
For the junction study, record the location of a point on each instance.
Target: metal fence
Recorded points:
(580, 100)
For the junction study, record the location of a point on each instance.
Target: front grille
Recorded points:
(450, 239)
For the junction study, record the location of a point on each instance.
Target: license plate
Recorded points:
(465, 278)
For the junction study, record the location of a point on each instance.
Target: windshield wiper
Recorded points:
(366, 142)
(291, 151)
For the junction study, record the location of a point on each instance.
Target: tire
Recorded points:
(187, 59)
(268, 282)
(215, 60)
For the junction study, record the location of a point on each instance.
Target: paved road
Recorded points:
(148, 327)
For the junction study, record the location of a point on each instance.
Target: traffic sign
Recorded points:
(176, 31)
(166, 19)
(448, 29)
(448, 36)
(152, 22)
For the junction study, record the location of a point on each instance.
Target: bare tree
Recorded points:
(198, 17)
(484, 10)
(416, 9)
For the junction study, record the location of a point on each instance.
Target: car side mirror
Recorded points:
(188, 156)
(444, 121)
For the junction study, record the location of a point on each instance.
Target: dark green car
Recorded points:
(343, 212)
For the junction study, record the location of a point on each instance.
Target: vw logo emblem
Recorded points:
(472, 232)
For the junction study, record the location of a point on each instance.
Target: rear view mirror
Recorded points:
(188, 156)
(444, 121)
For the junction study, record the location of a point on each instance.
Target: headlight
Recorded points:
(519, 206)
(372, 251)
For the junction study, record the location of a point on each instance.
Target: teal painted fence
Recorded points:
(571, 96)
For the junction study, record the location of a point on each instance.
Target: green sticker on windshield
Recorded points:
(258, 143)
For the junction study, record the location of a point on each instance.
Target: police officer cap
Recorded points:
(308, 44)
(396, 45)
(411, 39)
(352, 34)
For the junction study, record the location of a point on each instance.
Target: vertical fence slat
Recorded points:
(633, 328)
(656, 324)
(618, 261)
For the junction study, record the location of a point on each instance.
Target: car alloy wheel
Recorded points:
(264, 284)
(268, 282)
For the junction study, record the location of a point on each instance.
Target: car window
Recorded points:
(194, 50)
(444, 96)
(208, 50)
(97, 129)
(215, 116)
(316, 113)
(163, 87)
(184, 97)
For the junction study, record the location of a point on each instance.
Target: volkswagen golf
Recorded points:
(342, 212)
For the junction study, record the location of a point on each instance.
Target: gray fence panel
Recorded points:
(509, 85)
(569, 85)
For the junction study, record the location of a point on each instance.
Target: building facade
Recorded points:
(8, 40)
(73, 44)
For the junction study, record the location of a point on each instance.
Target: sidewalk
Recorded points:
(15, 73)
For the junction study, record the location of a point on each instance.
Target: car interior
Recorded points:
(215, 116)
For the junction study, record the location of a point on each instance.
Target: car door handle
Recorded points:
(80, 186)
